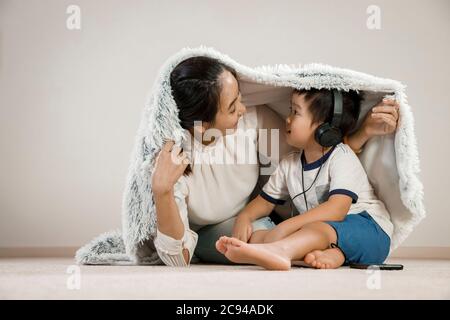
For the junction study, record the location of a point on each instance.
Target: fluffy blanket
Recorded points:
(391, 161)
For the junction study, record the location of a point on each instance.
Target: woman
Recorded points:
(196, 205)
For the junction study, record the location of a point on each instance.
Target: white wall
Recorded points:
(70, 101)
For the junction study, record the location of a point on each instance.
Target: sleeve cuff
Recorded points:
(169, 245)
(265, 196)
(346, 192)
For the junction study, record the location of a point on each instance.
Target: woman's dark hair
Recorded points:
(196, 89)
(321, 104)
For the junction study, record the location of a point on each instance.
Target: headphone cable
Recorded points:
(303, 185)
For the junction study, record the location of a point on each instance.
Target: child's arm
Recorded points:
(334, 209)
(257, 208)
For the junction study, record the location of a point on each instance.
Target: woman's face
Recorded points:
(230, 107)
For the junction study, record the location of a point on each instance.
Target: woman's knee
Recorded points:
(207, 237)
(211, 233)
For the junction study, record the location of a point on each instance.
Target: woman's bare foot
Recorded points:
(269, 256)
(325, 259)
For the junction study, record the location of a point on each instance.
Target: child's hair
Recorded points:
(321, 103)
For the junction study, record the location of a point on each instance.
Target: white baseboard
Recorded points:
(39, 252)
(422, 252)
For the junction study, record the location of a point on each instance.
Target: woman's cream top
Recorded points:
(224, 174)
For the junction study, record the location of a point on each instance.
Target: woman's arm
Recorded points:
(177, 248)
(381, 120)
(168, 217)
(172, 231)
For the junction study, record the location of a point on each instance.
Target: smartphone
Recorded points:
(376, 266)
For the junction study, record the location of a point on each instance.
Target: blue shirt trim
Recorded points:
(346, 192)
(317, 163)
(270, 199)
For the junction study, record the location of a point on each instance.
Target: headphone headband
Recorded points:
(337, 109)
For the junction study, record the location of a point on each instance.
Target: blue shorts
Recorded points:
(361, 239)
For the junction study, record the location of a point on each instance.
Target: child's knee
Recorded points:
(324, 229)
(317, 225)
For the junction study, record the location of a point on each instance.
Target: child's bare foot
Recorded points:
(221, 246)
(325, 259)
(268, 255)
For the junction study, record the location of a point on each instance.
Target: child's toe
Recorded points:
(309, 258)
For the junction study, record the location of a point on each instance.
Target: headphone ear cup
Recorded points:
(327, 136)
(334, 137)
(321, 133)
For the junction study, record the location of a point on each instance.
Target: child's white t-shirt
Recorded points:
(341, 173)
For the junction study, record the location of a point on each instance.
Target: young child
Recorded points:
(340, 219)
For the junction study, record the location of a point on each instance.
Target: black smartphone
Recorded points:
(376, 266)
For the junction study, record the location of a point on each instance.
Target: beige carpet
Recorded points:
(53, 278)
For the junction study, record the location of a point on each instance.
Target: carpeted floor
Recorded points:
(54, 278)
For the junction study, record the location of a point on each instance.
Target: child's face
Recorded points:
(299, 126)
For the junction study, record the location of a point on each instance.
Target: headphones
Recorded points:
(328, 133)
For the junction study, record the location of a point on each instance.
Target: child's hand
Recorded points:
(242, 228)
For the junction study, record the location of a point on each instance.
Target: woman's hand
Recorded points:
(169, 167)
(242, 228)
(383, 118)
